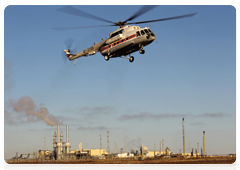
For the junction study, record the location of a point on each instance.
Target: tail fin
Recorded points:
(68, 54)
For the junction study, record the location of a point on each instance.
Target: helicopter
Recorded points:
(122, 42)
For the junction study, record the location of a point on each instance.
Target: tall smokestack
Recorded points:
(204, 144)
(67, 144)
(160, 148)
(108, 149)
(115, 147)
(183, 136)
(58, 133)
(100, 141)
(54, 140)
(154, 149)
(125, 146)
(163, 146)
(197, 147)
(67, 133)
(59, 146)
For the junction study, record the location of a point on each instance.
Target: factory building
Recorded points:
(62, 150)
(96, 152)
(144, 151)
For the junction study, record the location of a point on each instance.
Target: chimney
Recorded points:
(204, 144)
(163, 146)
(108, 149)
(58, 133)
(183, 136)
(100, 141)
(67, 133)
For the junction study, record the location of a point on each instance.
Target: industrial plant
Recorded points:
(61, 151)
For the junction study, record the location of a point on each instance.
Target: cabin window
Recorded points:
(142, 32)
(146, 31)
(138, 34)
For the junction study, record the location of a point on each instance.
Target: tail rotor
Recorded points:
(68, 52)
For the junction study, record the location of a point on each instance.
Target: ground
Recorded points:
(123, 164)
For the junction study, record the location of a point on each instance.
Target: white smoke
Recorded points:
(26, 107)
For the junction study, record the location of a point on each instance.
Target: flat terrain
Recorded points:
(186, 164)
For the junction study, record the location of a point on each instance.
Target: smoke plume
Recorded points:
(26, 107)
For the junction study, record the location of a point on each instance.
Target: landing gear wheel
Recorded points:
(106, 58)
(131, 59)
(142, 51)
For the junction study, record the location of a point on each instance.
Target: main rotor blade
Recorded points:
(141, 11)
(74, 11)
(72, 28)
(165, 19)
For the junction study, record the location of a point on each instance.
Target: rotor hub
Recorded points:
(120, 23)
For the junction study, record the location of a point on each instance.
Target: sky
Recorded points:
(189, 72)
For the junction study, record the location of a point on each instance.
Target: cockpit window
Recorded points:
(142, 32)
(149, 30)
(138, 34)
(116, 33)
(146, 31)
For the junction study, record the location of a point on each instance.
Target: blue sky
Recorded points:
(189, 71)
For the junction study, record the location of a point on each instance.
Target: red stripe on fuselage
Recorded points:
(117, 43)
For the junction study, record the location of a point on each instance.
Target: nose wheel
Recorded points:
(142, 51)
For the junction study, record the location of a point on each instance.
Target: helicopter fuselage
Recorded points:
(122, 42)
(126, 40)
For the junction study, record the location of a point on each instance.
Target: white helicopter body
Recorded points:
(125, 40)
(121, 42)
